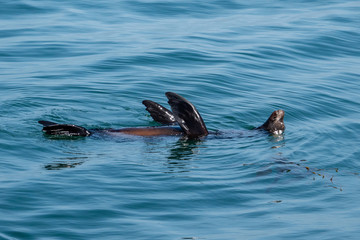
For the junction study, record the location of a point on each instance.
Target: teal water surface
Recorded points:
(91, 63)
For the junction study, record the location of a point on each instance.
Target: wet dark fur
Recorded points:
(183, 113)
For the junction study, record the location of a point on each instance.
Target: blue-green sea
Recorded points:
(91, 63)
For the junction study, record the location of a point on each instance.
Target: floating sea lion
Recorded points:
(184, 114)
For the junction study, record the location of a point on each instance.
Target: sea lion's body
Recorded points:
(148, 131)
(184, 113)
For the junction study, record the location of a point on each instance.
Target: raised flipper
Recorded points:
(159, 113)
(187, 116)
(70, 130)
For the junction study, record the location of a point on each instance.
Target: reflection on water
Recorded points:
(67, 162)
(277, 140)
(182, 151)
(63, 137)
(184, 148)
(62, 164)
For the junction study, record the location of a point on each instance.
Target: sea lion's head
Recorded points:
(275, 123)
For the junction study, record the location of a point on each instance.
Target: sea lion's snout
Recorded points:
(275, 123)
(280, 115)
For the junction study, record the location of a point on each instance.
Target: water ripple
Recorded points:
(92, 63)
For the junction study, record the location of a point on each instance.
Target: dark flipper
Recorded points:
(47, 123)
(159, 113)
(70, 130)
(186, 115)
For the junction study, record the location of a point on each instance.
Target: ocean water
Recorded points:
(91, 63)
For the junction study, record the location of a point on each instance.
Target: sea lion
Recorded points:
(183, 113)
